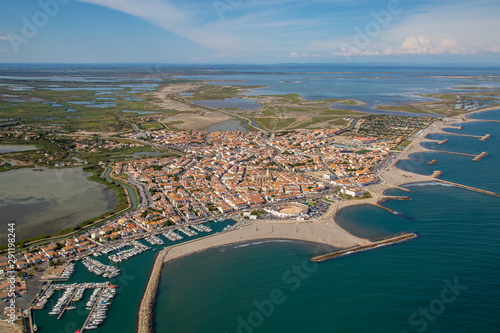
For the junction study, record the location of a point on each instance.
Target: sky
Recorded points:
(249, 31)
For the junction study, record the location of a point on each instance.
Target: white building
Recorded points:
(353, 192)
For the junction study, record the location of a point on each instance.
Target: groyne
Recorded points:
(436, 174)
(432, 162)
(486, 137)
(469, 188)
(443, 142)
(480, 156)
(464, 135)
(451, 152)
(383, 242)
(383, 207)
(146, 309)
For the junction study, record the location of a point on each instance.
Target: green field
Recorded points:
(149, 126)
(274, 123)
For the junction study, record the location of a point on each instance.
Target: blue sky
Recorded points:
(249, 31)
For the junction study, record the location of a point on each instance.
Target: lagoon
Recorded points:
(228, 125)
(15, 148)
(43, 202)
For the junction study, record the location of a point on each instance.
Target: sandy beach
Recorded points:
(315, 231)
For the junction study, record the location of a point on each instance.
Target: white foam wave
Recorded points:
(428, 184)
(264, 241)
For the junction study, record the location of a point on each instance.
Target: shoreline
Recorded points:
(318, 232)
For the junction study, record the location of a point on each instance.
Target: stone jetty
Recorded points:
(149, 298)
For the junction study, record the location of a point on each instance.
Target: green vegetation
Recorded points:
(442, 96)
(8, 166)
(73, 107)
(296, 109)
(403, 108)
(340, 112)
(269, 112)
(209, 92)
(311, 122)
(349, 102)
(405, 143)
(149, 126)
(391, 126)
(291, 98)
(337, 122)
(274, 123)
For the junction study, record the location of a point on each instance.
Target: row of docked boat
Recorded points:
(93, 298)
(80, 289)
(68, 271)
(201, 228)
(153, 240)
(97, 289)
(63, 300)
(115, 247)
(188, 232)
(43, 298)
(138, 248)
(99, 268)
(172, 235)
(99, 307)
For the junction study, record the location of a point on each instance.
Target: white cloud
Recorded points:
(422, 45)
(414, 44)
(453, 28)
(495, 49)
(297, 55)
(411, 45)
(456, 28)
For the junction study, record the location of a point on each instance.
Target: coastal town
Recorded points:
(220, 175)
(177, 185)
